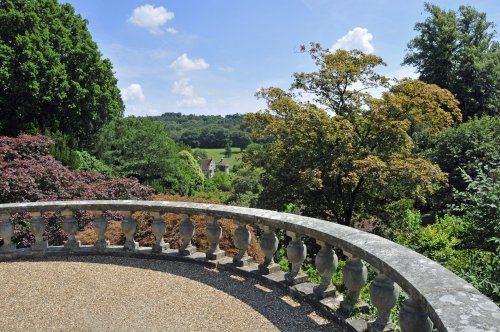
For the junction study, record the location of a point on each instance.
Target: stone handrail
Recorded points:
(436, 296)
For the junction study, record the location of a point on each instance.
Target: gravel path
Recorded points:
(118, 294)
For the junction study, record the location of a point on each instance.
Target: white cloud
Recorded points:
(133, 93)
(191, 102)
(184, 64)
(150, 17)
(183, 88)
(172, 31)
(226, 69)
(357, 38)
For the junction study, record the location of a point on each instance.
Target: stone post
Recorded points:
(158, 227)
(100, 225)
(384, 295)
(296, 253)
(412, 318)
(38, 228)
(129, 225)
(70, 227)
(186, 232)
(355, 275)
(6, 233)
(326, 263)
(214, 234)
(242, 238)
(269, 245)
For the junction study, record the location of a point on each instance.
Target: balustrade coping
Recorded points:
(451, 303)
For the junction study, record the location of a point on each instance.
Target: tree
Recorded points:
(140, 147)
(348, 152)
(458, 52)
(52, 75)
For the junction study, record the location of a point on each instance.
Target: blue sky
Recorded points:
(211, 56)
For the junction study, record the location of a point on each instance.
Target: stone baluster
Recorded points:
(158, 227)
(100, 225)
(296, 253)
(326, 262)
(38, 228)
(412, 318)
(214, 234)
(186, 232)
(129, 225)
(242, 238)
(355, 276)
(269, 245)
(70, 227)
(384, 296)
(6, 233)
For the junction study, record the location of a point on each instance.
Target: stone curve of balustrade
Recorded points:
(436, 294)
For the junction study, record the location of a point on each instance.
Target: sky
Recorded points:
(211, 56)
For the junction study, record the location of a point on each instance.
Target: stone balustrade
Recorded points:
(437, 297)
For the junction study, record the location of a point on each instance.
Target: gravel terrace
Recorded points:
(117, 294)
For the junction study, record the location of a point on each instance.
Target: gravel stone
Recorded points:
(98, 293)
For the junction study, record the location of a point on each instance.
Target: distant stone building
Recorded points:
(223, 166)
(208, 167)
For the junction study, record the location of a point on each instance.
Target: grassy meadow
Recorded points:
(217, 154)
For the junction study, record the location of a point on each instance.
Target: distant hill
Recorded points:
(206, 131)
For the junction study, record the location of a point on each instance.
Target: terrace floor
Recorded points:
(116, 294)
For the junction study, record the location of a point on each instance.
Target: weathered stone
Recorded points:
(296, 253)
(158, 228)
(326, 263)
(384, 296)
(70, 227)
(214, 234)
(186, 232)
(412, 318)
(242, 238)
(269, 245)
(6, 233)
(37, 227)
(355, 276)
(100, 225)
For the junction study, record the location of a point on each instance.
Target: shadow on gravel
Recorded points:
(273, 303)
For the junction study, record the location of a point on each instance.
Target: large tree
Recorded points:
(140, 147)
(346, 152)
(458, 52)
(52, 75)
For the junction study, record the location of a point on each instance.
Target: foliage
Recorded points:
(479, 204)
(246, 187)
(206, 131)
(466, 146)
(458, 51)
(88, 163)
(140, 147)
(199, 154)
(52, 75)
(359, 157)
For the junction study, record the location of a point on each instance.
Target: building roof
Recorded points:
(205, 163)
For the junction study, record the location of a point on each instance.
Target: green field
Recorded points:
(217, 154)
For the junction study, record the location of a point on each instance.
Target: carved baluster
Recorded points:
(6, 233)
(186, 230)
(129, 225)
(38, 228)
(413, 319)
(326, 263)
(70, 227)
(100, 225)
(242, 238)
(158, 227)
(384, 295)
(269, 245)
(355, 275)
(214, 234)
(296, 253)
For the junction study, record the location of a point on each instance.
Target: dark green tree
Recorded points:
(52, 75)
(140, 147)
(458, 51)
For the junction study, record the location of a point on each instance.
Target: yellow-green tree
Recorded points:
(337, 151)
